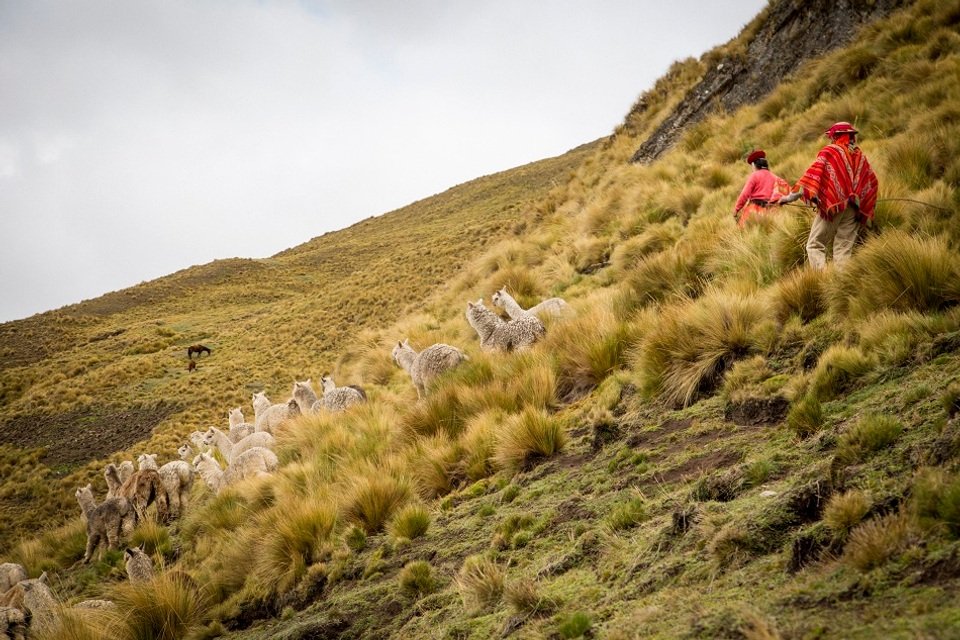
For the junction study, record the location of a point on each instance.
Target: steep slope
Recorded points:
(722, 443)
(98, 377)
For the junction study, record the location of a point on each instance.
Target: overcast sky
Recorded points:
(141, 137)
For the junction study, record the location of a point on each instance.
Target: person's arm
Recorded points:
(793, 197)
(744, 194)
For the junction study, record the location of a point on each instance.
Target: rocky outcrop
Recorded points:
(791, 32)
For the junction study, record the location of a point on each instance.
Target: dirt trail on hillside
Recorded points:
(77, 437)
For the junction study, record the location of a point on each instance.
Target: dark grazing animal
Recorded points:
(198, 349)
(192, 365)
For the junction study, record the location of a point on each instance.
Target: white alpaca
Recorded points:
(112, 475)
(231, 450)
(268, 416)
(239, 428)
(125, 470)
(551, 307)
(495, 334)
(186, 452)
(176, 477)
(339, 398)
(250, 463)
(424, 367)
(305, 397)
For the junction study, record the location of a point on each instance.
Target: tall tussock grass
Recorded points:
(803, 293)
(291, 537)
(900, 272)
(528, 437)
(374, 497)
(167, 607)
(688, 352)
(587, 349)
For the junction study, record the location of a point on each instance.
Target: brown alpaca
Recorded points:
(198, 349)
(144, 488)
(192, 366)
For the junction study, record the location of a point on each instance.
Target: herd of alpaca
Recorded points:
(247, 449)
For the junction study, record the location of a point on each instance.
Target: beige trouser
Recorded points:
(842, 229)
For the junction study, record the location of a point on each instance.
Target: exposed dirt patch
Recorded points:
(648, 438)
(757, 411)
(78, 437)
(572, 509)
(696, 466)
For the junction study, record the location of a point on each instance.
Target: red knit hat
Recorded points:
(755, 155)
(840, 128)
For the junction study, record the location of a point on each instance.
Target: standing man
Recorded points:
(762, 190)
(843, 188)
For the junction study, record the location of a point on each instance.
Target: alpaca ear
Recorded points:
(406, 342)
(43, 579)
(469, 305)
(129, 551)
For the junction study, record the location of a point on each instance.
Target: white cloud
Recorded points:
(127, 126)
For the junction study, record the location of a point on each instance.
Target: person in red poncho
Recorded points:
(762, 191)
(843, 188)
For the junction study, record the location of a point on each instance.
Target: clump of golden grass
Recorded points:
(373, 498)
(688, 352)
(900, 272)
(478, 444)
(845, 510)
(670, 274)
(874, 542)
(802, 293)
(416, 579)
(410, 522)
(870, 434)
(935, 500)
(79, 624)
(435, 465)
(527, 437)
(838, 369)
(480, 582)
(745, 255)
(587, 349)
(154, 537)
(523, 596)
(164, 608)
(655, 238)
(292, 536)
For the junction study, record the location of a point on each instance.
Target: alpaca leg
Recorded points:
(113, 535)
(93, 539)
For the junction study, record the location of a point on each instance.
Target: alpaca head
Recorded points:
(184, 451)
(147, 461)
(327, 382)
(210, 436)
(400, 348)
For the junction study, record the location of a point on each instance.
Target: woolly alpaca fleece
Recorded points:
(269, 416)
(305, 396)
(549, 308)
(232, 450)
(252, 462)
(494, 333)
(424, 367)
(108, 522)
(338, 398)
(139, 565)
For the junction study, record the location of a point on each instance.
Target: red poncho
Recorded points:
(839, 177)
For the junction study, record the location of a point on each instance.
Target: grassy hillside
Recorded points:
(92, 380)
(722, 443)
